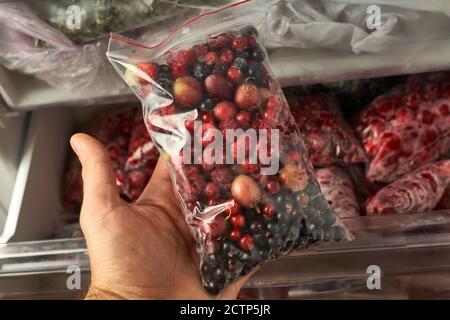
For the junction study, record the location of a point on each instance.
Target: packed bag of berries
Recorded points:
(418, 191)
(114, 131)
(407, 127)
(141, 160)
(328, 138)
(250, 196)
(337, 187)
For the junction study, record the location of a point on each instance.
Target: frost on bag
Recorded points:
(328, 138)
(337, 187)
(407, 127)
(418, 191)
(141, 160)
(248, 196)
(113, 131)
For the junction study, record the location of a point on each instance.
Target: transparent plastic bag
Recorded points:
(97, 18)
(213, 74)
(141, 160)
(407, 127)
(418, 191)
(328, 138)
(337, 187)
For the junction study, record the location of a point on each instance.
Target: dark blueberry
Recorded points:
(206, 268)
(320, 204)
(219, 274)
(312, 188)
(256, 73)
(258, 54)
(220, 69)
(229, 276)
(249, 29)
(274, 243)
(213, 259)
(315, 235)
(164, 68)
(244, 257)
(241, 64)
(166, 84)
(201, 71)
(329, 219)
(256, 227)
(243, 55)
(259, 240)
(337, 233)
(273, 227)
(246, 270)
(212, 287)
(207, 105)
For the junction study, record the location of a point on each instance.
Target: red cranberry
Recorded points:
(189, 125)
(249, 167)
(244, 118)
(237, 221)
(246, 242)
(211, 190)
(269, 210)
(150, 69)
(234, 210)
(273, 103)
(251, 41)
(186, 57)
(226, 57)
(192, 172)
(235, 75)
(235, 235)
(211, 58)
(207, 118)
(239, 43)
(218, 42)
(179, 70)
(231, 124)
(273, 187)
(223, 177)
(207, 135)
(225, 110)
(201, 50)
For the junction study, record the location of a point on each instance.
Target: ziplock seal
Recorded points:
(133, 43)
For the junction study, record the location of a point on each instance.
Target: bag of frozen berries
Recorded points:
(238, 163)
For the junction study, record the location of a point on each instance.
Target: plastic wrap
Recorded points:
(337, 187)
(407, 127)
(113, 130)
(87, 20)
(246, 200)
(418, 191)
(328, 137)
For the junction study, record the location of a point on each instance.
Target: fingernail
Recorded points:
(75, 145)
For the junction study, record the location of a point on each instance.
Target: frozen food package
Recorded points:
(418, 191)
(141, 160)
(328, 138)
(237, 160)
(337, 187)
(87, 20)
(113, 130)
(407, 127)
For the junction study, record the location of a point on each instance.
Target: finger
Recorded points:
(99, 180)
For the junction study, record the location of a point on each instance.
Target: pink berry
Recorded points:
(211, 58)
(226, 57)
(186, 57)
(179, 70)
(201, 50)
(150, 69)
(246, 191)
(239, 43)
(235, 75)
(225, 110)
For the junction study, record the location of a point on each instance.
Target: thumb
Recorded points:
(99, 181)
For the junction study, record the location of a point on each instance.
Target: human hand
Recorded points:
(136, 251)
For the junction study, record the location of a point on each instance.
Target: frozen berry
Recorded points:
(186, 57)
(258, 54)
(211, 58)
(241, 63)
(207, 105)
(247, 96)
(239, 43)
(149, 69)
(220, 70)
(249, 30)
(211, 190)
(223, 177)
(192, 172)
(246, 191)
(187, 91)
(201, 50)
(256, 227)
(234, 210)
(189, 125)
(256, 72)
(219, 41)
(251, 40)
(269, 210)
(218, 87)
(235, 235)
(225, 110)
(235, 75)
(217, 226)
(179, 70)
(226, 57)
(246, 242)
(201, 71)
(207, 118)
(244, 118)
(237, 221)
(273, 187)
